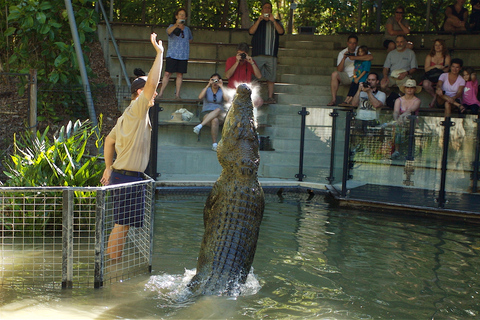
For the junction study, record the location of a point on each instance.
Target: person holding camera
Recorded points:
(179, 38)
(265, 41)
(345, 67)
(369, 99)
(240, 68)
(213, 112)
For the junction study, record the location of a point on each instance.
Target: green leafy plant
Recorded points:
(65, 161)
(62, 161)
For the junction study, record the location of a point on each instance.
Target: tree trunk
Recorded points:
(244, 13)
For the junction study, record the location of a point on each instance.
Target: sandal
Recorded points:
(331, 104)
(462, 108)
(270, 101)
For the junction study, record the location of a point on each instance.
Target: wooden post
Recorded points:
(32, 120)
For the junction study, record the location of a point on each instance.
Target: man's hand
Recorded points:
(157, 45)
(106, 177)
(384, 82)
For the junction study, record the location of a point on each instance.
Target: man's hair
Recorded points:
(457, 61)
(267, 2)
(243, 46)
(354, 36)
(400, 7)
(401, 36)
(374, 73)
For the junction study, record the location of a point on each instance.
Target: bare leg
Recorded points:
(428, 86)
(448, 109)
(166, 78)
(214, 125)
(179, 84)
(334, 83)
(210, 116)
(270, 86)
(116, 241)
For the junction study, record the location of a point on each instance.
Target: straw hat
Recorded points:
(410, 83)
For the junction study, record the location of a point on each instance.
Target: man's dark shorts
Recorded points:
(128, 202)
(174, 65)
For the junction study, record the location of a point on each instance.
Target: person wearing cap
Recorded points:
(399, 65)
(130, 141)
(406, 105)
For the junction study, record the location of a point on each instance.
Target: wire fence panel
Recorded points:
(57, 237)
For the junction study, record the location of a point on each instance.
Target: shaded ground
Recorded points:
(14, 105)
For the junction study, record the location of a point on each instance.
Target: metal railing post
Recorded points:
(346, 153)
(443, 173)
(304, 113)
(67, 239)
(99, 238)
(476, 163)
(411, 138)
(334, 116)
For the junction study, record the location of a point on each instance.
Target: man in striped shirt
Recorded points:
(266, 31)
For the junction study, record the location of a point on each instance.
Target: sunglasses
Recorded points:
(214, 97)
(400, 12)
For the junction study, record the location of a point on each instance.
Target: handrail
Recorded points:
(117, 51)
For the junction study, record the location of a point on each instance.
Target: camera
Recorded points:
(182, 21)
(215, 80)
(349, 54)
(266, 15)
(243, 56)
(366, 84)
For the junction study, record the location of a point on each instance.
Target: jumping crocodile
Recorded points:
(234, 208)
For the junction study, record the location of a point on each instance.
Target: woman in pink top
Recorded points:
(450, 87)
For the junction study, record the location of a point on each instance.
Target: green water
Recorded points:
(312, 261)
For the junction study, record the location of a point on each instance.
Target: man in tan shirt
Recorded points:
(130, 140)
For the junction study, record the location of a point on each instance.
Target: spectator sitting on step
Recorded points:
(369, 100)
(179, 38)
(362, 68)
(240, 68)
(470, 101)
(456, 16)
(450, 87)
(474, 20)
(345, 67)
(399, 65)
(213, 112)
(396, 25)
(436, 63)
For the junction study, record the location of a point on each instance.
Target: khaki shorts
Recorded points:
(344, 78)
(267, 66)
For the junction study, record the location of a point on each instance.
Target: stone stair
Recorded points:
(303, 80)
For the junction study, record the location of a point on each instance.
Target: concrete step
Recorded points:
(325, 69)
(304, 62)
(305, 79)
(295, 52)
(309, 45)
(304, 100)
(297, 89)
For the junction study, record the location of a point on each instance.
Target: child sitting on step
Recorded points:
(360, 74)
